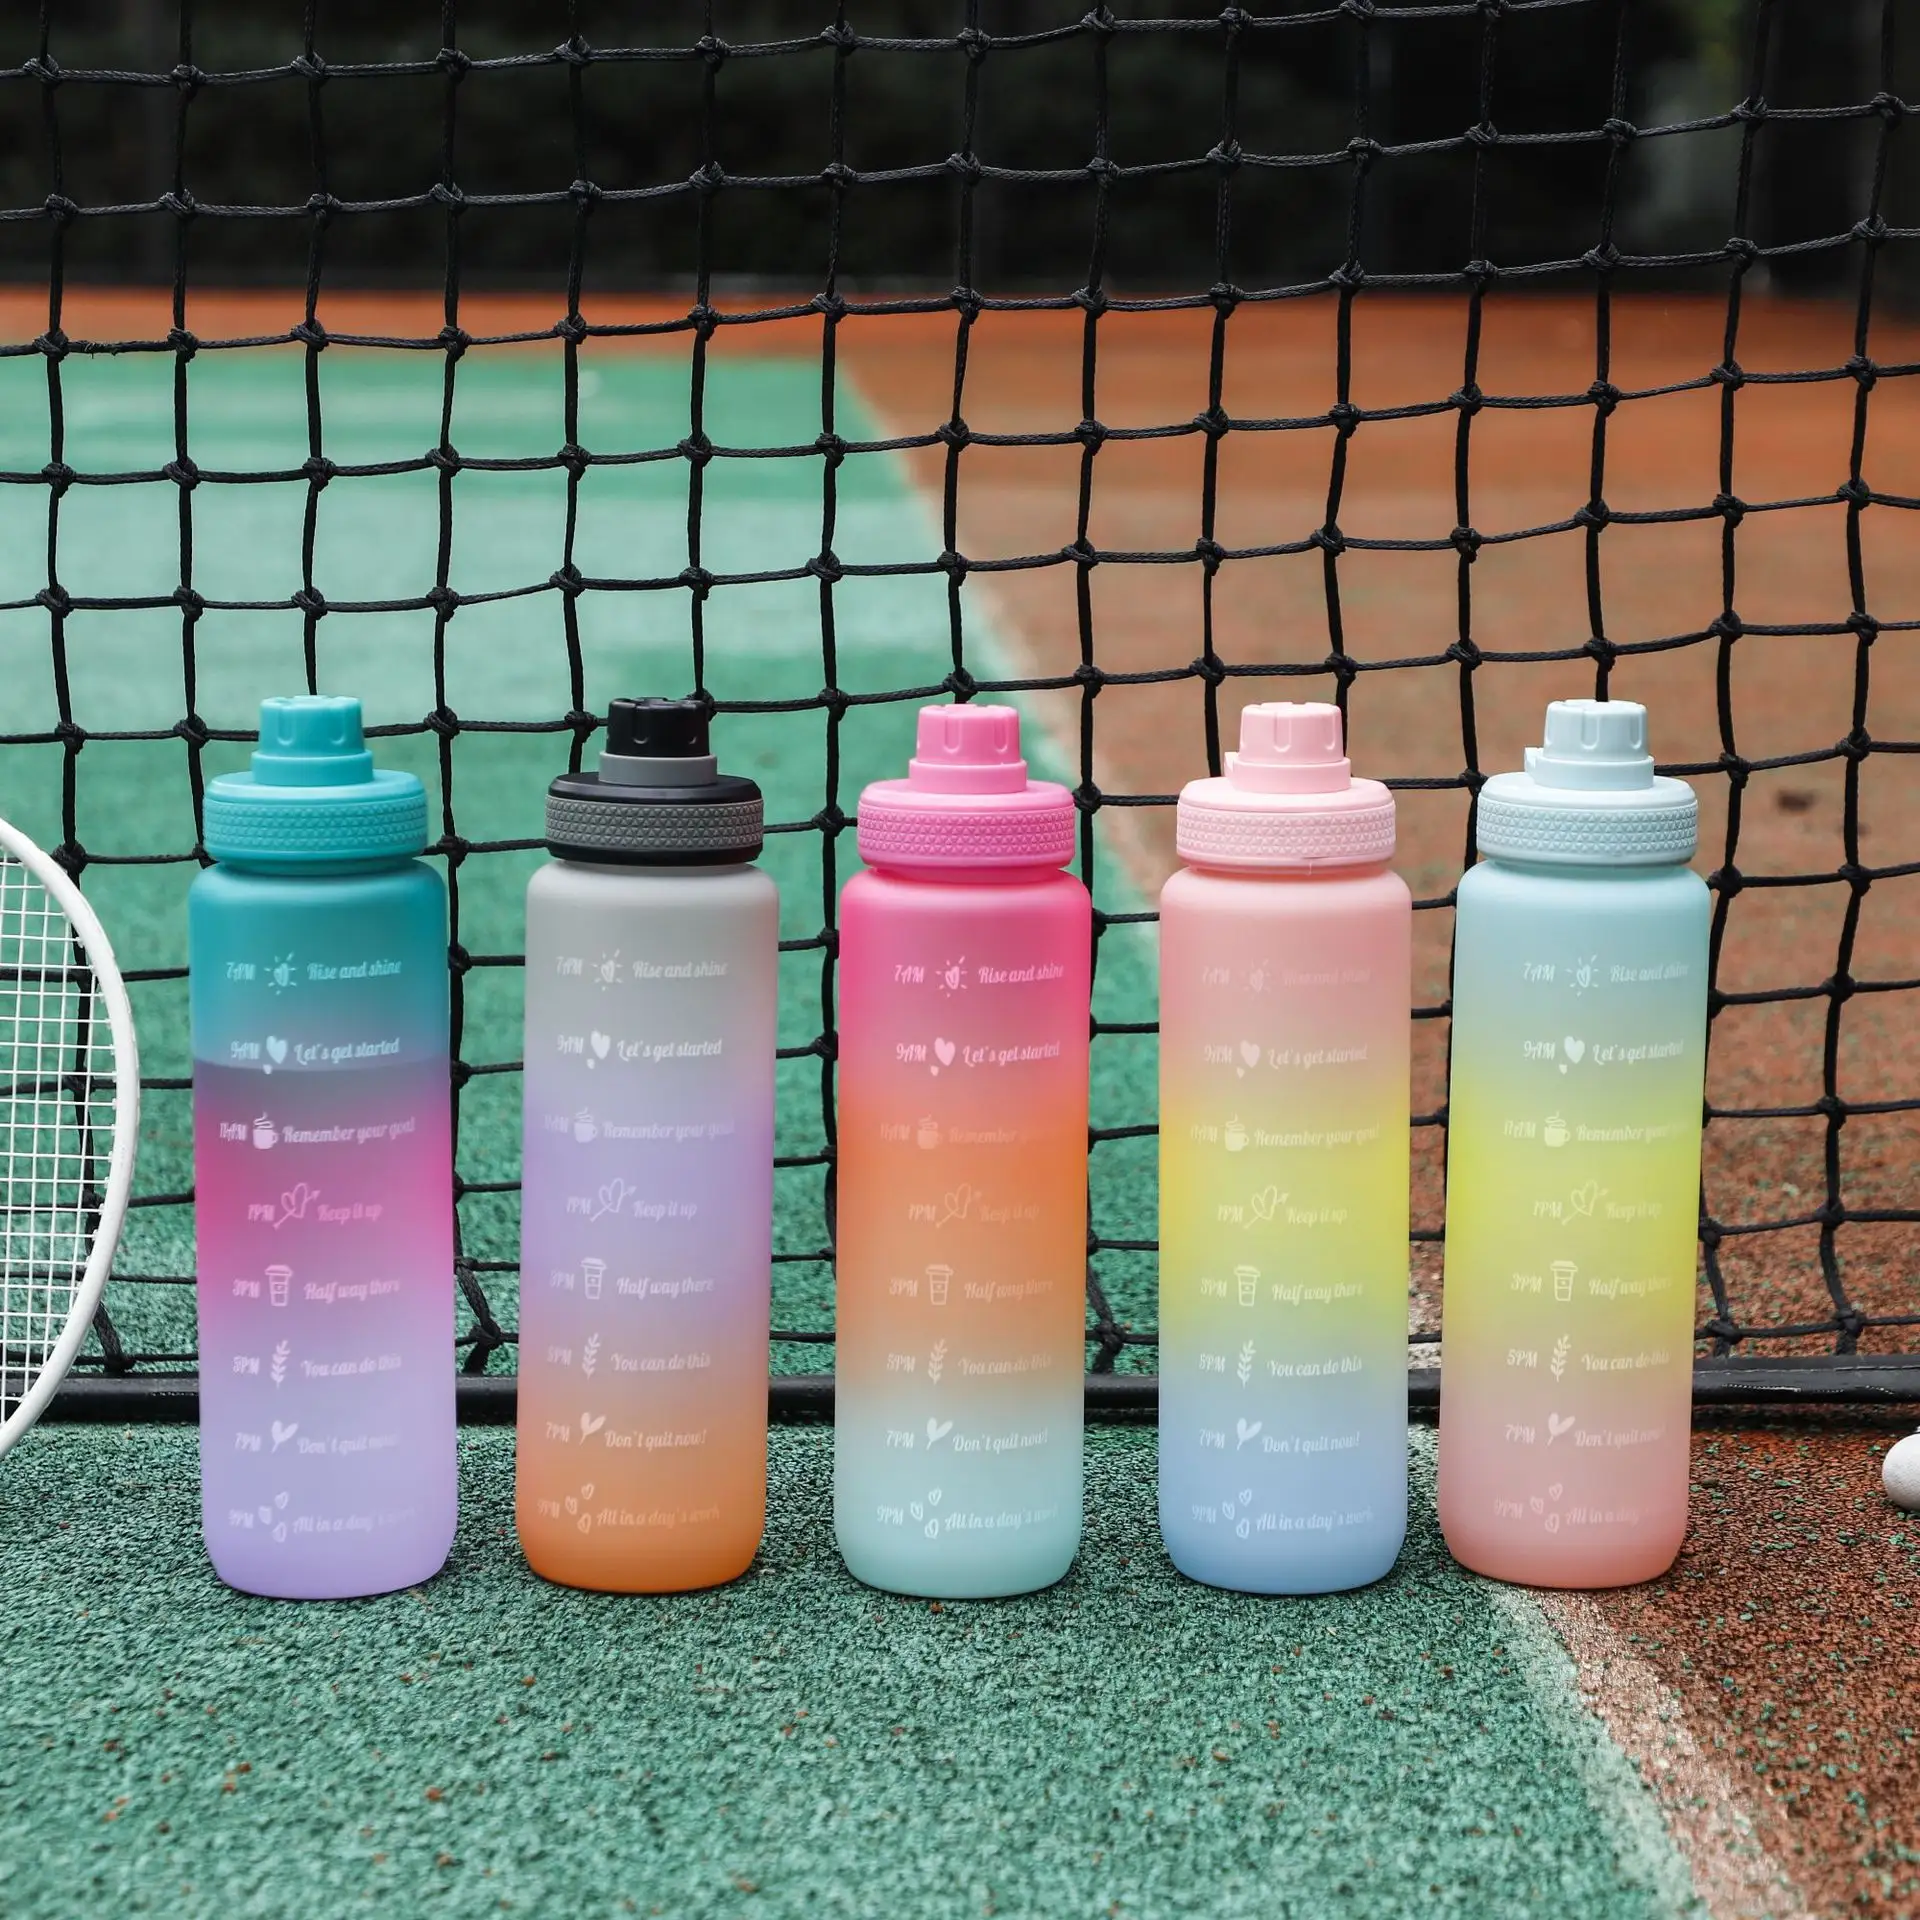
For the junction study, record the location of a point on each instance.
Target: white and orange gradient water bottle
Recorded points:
(1285, 976)
(962, 1187)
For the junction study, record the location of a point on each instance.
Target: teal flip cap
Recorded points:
(313, 796)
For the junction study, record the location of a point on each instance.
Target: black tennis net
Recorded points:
(763, 167)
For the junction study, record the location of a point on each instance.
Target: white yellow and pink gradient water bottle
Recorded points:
(961, 1219)
(647, 1196)
(1579, 1042)
(1285, 978)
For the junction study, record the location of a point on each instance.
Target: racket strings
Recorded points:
(56, 1123)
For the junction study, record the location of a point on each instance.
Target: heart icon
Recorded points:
(1246, 1496)
(937, 1430)
(1246, 1429)
(280, 1501)
(1576, 1050)
(572, 1505)
(1557, 1424)
(1243, 1529)
(590, 1424)
(1266, 1203)
(933, 1498)
(916, 1509)
(586, 1492)
(1555, 1491)
(1250, 1052)
(943, 1052)
(276, 1048)
(1537, 1504)
(1584, 1199)
(283, 1431)
(601, 1042)
(933, 1529)
(280, 1532)
(266, 1516)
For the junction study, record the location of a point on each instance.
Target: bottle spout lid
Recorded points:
(1593, 745)
(1291, 746)
(973, 749)
(311, 740)
(657, 743)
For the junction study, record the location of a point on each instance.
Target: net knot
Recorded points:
(44, 68)
(839, 176)
(1329, 539)
(966, 302)
(976, 43)
(1349, 277)
(1345, 418)
(54, 344)
(453, 63)
(1855, 492)
(180, 202)
(1601, 649)
(1091, 300)
(825, 566)
(697, 580)
(1835, 1110)
(832, 305)
(953, 433)
(1210, 668)
(1753, 108)
(445, 458)
(574, 52)
(193, 730)
(1466, 653)
(444, 600)
(1872, 230)
(1364, 150)
(311, 68)
(1468, 399)
(61, 210)
(443, 721)
(1605, 397)
(961, 684)
(183, 472)
(1467, 542)
(1727, 626)
(1224, 156)
(573, 459)
(1215, 423)
(953, 564)
(448, 194)
(841, 37)
(1729, 373)
(1727, 881)
(567, 580)
(1483, 133)
(585, 194)
(56, 599)
(964, 166)
(1889, 106)
(1841, 987)
(1857, 745)
(1865, 371)
(58, 476)
(1621, 132)
(1730, 507)
(1742, 251)
(312, 602)
(456, 340)
(696, 450)
(832, 448)
(1083, 553)
(183, 342)
(310, 333)
(1087, 675)
(1863, 626)
(1603, 258)
(1210, 553)
(1092, 434)
(187, 77)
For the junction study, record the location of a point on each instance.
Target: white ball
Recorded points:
(1900, 1473)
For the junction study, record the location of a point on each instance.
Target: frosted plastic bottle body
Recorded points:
(1283, 1226)
(1579, 1032)
(961, 1231)
(324, 1181)
(646, 1220)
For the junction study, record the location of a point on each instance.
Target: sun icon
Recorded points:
(281, 973)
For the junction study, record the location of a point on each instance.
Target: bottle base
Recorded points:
(1347, 1574)
(1591, 1573)
(688, 1576)
(270, 1584)
(1002, 1578)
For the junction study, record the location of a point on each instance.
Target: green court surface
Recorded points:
(1127, 1744)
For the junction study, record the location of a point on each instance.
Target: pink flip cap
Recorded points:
(1289, 798)
(966, 800)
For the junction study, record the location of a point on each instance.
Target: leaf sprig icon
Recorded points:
(1244, 1370)
(590, 1355)
(937, 1361)
(277, 1370)
(1561, 1348)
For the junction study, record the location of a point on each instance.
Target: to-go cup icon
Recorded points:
(938, 1280)
(1563, 1272)
(592, 1273)
(1248, 1279)
(279, 1284)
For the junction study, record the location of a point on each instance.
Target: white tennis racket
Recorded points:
(69, 1121)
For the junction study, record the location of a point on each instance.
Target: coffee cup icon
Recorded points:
(1235, 1134)
(279, 1285)
(1248, 1281)
(1554, 1130)
(592, 1274)
(584, 1127)
(927, 1134)
(938, 1280)
(265, 1133)
(1563, 1272)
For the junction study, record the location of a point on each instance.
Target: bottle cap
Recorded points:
(657, 797)
(1589, 796)
(967, 800)
(1288, 798)
(313, 796)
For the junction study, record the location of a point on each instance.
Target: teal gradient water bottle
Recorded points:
(323, 1175)
(1573, 1179)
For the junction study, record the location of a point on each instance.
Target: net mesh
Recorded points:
(1370, 190)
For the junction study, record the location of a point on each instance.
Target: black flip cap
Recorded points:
(658, 729)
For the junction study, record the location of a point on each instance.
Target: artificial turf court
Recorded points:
(1737, 1735)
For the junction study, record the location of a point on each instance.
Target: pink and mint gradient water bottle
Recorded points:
(1285, 978)
(646, 1206)
(323, 1172)
(962, 1192)
(1573, 1166)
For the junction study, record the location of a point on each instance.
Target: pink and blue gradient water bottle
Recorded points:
(322, 1168)
(1285, 976)
(1573, 1164)
(962, 1222)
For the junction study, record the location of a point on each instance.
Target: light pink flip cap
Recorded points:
(1289, 798)
(966, 800)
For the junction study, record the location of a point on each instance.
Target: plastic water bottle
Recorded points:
(962, 1222)
(1579, 1043)
(322, 1168)
(1285, 980)
(647, 1195)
